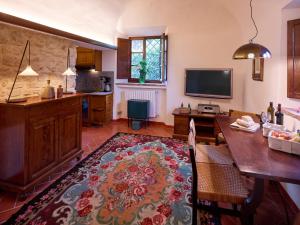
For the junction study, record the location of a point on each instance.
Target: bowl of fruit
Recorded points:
(280, 140)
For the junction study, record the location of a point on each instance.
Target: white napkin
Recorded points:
(245, 123)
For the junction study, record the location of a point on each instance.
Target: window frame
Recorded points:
(163, 47)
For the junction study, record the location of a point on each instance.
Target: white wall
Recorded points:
(204, 34)
(288, 14)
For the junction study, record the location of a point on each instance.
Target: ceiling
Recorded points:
(293, 4)
(94, 19)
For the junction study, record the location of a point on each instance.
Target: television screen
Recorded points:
(210, 83)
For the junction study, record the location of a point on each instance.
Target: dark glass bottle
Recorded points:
(279, 115)
(270, 113)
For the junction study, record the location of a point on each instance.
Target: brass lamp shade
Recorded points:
(251, 51)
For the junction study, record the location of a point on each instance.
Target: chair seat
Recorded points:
(213, 154)
(220, 183)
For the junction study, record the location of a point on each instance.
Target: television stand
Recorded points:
(205, 124)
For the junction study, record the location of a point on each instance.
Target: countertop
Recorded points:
(38, 100)
(99, 93)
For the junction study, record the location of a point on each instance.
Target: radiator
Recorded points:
(152, 96)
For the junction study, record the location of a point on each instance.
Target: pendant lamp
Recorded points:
(252, 50)
(28, 72)
(67, 73)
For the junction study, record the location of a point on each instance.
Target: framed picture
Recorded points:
(258, 69)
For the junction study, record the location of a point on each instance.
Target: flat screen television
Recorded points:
(209, 83)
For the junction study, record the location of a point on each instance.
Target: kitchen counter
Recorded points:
(37, 100)
(99, 93)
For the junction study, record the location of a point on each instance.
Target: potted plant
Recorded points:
(143, 71)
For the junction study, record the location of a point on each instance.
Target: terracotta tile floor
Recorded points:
(271, 211)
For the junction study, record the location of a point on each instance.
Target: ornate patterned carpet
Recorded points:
(131, 179)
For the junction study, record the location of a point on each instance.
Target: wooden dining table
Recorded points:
(254, 158)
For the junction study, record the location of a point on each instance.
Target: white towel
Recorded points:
(244, 123)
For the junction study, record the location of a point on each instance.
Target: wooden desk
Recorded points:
(253, 158)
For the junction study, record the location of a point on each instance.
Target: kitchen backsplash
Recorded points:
(90, 81)
(48, 59)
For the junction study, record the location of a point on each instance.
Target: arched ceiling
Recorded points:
(94, 19)
(100, 20)
(293, 4)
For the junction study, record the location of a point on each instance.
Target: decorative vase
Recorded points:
(142, 77)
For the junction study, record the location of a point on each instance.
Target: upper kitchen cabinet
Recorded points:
(89, 59)
(293, 56)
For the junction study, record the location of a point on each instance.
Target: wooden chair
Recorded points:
(216, 182)
(209, 153)
(235, 113)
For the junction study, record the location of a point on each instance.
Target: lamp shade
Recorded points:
(251, 51)
(69, 72)
(28, 72)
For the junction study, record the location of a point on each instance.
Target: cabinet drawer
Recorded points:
(44, 110)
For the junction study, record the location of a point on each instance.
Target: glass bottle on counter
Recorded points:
(270, 113)
(279, 115)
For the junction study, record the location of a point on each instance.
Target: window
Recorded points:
(154, 51)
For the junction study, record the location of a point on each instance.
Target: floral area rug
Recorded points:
(130, 179)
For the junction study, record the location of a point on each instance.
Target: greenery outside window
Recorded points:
(153, 50)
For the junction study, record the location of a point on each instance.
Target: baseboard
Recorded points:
(150, 122)
(287, 198)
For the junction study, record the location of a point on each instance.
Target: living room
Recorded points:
(191, 35)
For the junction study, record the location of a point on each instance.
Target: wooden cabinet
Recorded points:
(43, 146)
(36, 138)
(100, 109)
(205, 124)
(69, 134)
(293, 62)
(88, 59)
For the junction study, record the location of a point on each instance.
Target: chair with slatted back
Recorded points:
(216, 182)
(235, 113)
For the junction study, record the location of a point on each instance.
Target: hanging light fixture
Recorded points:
(28, 72)
(67, 73)
(252, 50)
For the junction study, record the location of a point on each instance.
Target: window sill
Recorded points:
(143, 86)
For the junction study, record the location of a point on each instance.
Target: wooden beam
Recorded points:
(42, 28)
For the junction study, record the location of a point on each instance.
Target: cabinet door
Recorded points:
(293, 55)
(69, 134)
(85, 57)
(181, 125)
(97, 109)
(42, 152)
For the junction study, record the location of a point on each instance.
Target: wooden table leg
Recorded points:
(252, 202)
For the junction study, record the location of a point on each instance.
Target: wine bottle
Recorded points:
(270, 113)
(279, 115)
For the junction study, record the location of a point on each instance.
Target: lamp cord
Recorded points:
(68, 62)
(29, 52)
(251, 40)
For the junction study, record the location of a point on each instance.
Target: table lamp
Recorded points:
(67, 73)
(29, 72)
